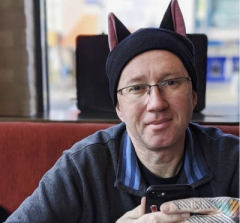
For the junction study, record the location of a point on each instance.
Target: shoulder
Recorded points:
(213, 139)
(211, 132)
(100, 139)
(221, 154)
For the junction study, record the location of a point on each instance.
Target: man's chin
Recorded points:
(157, 144)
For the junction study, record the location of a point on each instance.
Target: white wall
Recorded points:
(142, 13)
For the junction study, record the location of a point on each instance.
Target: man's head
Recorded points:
(155, 100)
(124, 46)
(152, 76)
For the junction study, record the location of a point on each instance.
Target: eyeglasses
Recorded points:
(169, 89)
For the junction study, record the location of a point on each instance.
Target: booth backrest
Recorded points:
(29, 149)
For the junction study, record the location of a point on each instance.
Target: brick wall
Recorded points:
(17, 62)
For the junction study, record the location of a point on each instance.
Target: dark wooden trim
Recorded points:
(41, 56)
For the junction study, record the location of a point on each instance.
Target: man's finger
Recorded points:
(192, 205)
(138, 211)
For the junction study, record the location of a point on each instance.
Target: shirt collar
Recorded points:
(129, 175)
(130, 172)
(193, 160)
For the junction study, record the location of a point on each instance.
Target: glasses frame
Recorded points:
(160, 84)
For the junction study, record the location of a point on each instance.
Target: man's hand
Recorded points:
(138, 215)
(204, 210)
(218, 209)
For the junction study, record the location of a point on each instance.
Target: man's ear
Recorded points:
(194, 98)
(119, 112)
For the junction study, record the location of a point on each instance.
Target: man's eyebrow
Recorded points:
(136, 80)
(143, 80)
(170, 75)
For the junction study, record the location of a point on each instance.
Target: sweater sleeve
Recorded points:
(57, 198)
(234, 186)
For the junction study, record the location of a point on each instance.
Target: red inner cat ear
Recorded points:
(116, 31)
(112, 32)
(173, 19)
(177, 17)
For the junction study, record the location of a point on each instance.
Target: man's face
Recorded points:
(157, 122)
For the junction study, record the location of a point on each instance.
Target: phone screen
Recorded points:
(158, 194)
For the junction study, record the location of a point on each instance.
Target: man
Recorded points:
(103, 178)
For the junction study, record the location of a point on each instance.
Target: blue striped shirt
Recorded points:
(130, 172)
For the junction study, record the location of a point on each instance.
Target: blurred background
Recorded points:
(218, 19)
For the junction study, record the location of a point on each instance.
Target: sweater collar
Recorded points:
(129, 176)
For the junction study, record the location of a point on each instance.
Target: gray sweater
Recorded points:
(98, 179)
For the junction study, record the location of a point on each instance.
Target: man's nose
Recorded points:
(156, 100)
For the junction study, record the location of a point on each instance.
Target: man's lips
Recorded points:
(159, 122)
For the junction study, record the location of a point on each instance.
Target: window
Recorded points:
(219, 19)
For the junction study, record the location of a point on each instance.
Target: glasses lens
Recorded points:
(175, 87)
(135, 93)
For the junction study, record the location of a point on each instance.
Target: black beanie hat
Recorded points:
(124, 46)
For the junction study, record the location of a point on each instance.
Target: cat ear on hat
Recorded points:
(116, 31)
(173, 19)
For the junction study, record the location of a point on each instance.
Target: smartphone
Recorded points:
(158, 194)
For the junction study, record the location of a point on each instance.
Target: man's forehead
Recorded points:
(128, 79)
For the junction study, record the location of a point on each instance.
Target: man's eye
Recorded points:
(172, 82)
(137, 88)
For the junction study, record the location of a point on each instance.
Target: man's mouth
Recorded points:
(160, 122)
